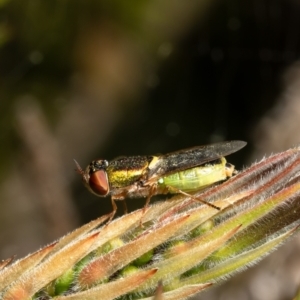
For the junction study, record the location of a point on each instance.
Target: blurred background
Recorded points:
(103, 78)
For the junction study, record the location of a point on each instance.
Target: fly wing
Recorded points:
(192, 157)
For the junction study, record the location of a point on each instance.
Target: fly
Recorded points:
(183, 171)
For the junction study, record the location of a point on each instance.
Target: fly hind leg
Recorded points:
(178, 191)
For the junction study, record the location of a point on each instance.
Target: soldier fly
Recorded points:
(183, 171)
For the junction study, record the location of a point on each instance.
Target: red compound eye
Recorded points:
(98, 182)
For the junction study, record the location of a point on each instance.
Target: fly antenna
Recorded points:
(78, 168)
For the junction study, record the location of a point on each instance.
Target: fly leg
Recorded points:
(178, 191)
(125, 207)
(114, 206)
(120, 197)
(152, 190)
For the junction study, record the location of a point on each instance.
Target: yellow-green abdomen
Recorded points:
(198, 177)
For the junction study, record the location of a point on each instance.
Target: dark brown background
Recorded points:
(98, 79)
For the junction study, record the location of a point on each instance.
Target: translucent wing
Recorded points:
(188, 158)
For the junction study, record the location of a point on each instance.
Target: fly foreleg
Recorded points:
(115, 207)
